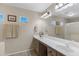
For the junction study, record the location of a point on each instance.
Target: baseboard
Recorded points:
(20, 53)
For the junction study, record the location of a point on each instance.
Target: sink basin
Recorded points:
(59, 43)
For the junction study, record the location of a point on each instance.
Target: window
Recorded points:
(1, 17)
(24, 19)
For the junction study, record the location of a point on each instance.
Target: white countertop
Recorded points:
(66, 47)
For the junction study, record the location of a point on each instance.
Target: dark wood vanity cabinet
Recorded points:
(53, 52)
(59, 54)
(41, 49)
(35, 47)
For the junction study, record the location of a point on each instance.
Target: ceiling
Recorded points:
(37, 7)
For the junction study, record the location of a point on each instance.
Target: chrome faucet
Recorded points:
(41, 33)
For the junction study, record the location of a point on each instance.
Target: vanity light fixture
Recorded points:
(61, 6)
(46, 15)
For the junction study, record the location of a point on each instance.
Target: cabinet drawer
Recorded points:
(53, 52)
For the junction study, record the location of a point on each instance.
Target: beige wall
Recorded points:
(47, 26)
(23, 42)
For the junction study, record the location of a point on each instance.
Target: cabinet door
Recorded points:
(35, 47)
(60, 54)
(42, 49)
(39, 48)
(51, 52)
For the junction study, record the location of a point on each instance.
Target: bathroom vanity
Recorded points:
(42, 49)
(52, 46)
